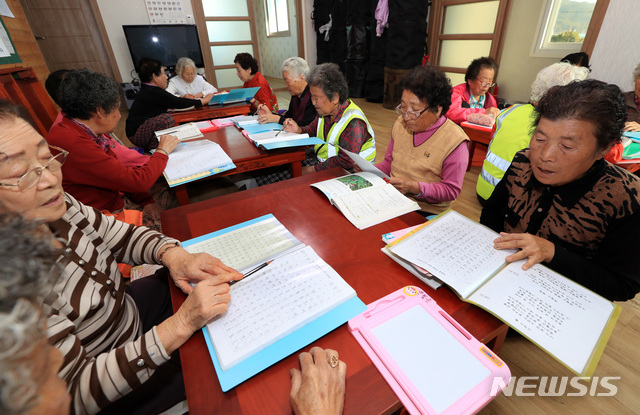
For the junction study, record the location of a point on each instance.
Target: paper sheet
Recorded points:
(364, 165)
(195, 157)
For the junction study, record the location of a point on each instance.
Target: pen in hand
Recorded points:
(253, 271)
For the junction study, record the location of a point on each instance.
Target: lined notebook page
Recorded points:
(293, 290)
(195, 157)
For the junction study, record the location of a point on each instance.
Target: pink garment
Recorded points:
(460, 93)
(382, 16)
(124, 154)
(454, 168)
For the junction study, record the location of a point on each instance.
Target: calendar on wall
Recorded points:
(165, 12)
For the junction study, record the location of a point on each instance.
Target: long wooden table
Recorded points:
(354, 254)
(247, 157)
(207, 112)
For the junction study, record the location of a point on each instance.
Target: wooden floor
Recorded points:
(621, 359)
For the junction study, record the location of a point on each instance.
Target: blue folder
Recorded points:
(310, 141)
(234, 95)
(291, 343)
(261, 128)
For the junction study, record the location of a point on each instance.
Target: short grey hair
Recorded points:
(296, 66)
(83, 92)
(557, 74)
(636, 73)
(332, 82)
(28, 258)
(184, 63)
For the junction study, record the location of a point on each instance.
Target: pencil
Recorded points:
(253, 271)
(279, 131)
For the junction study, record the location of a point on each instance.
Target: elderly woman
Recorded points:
(562, 204)
(513, 126)
(473, 96)
(92, 173)
(632, 101)
(148, 113)
(29, 382)
(119, 341)
(294, 72)
(428, 154)
(247, 71)
(187, 83)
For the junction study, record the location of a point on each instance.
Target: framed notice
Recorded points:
(8, 53)
(165, 11)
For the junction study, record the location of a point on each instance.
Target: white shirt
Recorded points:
(179, 87)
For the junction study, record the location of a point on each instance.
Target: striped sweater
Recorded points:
(93, 322)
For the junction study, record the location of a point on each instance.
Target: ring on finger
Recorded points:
(333, 361)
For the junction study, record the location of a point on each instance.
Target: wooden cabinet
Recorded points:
(21, 86)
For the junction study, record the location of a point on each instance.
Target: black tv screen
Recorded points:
(166, 43)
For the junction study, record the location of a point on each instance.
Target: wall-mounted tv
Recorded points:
(166, 43)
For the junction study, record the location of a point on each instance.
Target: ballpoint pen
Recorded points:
(253, 271)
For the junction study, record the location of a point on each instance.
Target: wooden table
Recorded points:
(354, 254)
(207, 112)
(478, 134)
(247, 157)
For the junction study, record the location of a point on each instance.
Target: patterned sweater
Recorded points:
(594, 223)
(93, 322)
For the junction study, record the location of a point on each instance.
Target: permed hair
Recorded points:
(332, 82)
(246, 61)
(430, 85)
(184, 63)
(84, 92)
(52, 84)
(27, 257)
(147, 68)
(296, 66)
(477, 65)
(594, 101)
(560, 73)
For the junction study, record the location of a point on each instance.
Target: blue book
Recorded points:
(289, 303)
(234, 95)
(261, 128)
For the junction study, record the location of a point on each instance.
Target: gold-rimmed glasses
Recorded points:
(32, 177)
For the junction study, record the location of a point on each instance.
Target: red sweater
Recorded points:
(97, 178)
(459, 94)
(264, 95)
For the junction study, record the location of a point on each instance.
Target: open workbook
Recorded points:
(366, 199)
(567, 320)
(182, 132)
(284, 306)
(193, 160)
(270, 140)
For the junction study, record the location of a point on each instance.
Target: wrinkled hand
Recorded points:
(168, 143)
(185, 268)
(291, 126)
(405, 185)
(534, 248)
(319, 388)
(493, 112)
(190, 96)
(205, 99)
(208, 299)
(152, 210)
(631, 126)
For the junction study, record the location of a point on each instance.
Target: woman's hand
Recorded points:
(205, 99)
(405, 185)
(493, 112)
(319, 388)
(534, 248)
(168, 143)
(631, 126)
(291, 126)
(185, 267)
(265, 115)
(190, 96)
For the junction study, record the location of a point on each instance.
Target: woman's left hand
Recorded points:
(405, 185)
(186, 267)
(534, 248)
(631, 126)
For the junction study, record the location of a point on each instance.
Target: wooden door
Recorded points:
(67, 34)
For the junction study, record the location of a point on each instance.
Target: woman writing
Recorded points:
(187, 83)
(473, 96)
(632, 102)
(247, 71)
(560, 203)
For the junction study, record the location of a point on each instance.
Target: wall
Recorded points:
(115, 14)
(274, 50)
(517, 69)
(617, 51)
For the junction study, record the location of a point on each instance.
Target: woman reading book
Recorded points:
(560, 203)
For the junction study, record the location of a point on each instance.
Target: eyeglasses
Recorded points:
(412, 115)
(32, 177)
(486, 84)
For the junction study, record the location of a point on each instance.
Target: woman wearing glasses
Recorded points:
(428, 154)
(119, 340)
(472, 96)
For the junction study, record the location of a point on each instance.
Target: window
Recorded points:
(277, 17)
(563, 27)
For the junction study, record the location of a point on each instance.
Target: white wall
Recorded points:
(115, 14)
(517, 69)
(274, 50)
(617, 51)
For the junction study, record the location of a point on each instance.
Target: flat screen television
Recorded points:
(166, 43)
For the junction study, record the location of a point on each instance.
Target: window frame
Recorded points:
(268, 17)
